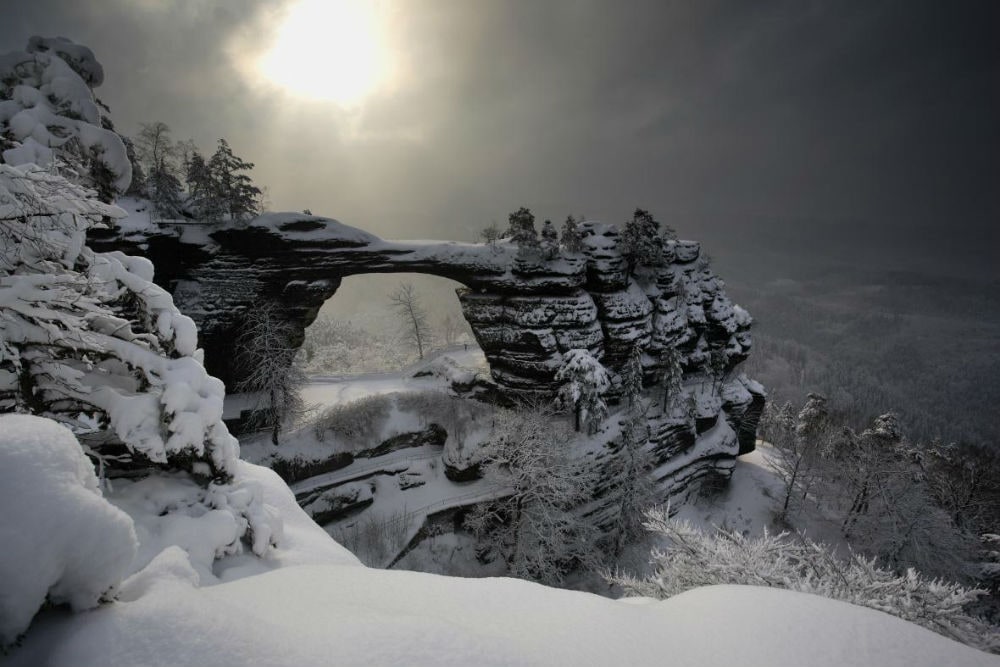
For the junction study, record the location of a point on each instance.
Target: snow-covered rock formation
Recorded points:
(526, 310)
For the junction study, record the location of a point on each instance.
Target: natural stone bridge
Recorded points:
(525, 310)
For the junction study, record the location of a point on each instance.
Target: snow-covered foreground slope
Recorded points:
(328, 614)
(309, 603)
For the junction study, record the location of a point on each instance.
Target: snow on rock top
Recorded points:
(61, 540)
(301, 227)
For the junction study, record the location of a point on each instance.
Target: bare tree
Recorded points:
(265, 358)
(796, 456)
(414, 324)
(491, 235)
(159, 153)
(451, 329)
(533, 526)
(154, 145)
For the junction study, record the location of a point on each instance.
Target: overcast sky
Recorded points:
(872, 118)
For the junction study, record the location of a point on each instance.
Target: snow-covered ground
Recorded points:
(310, 603)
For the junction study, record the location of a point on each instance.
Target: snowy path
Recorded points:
(369, 466)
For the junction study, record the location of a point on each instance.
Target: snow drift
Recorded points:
(61, 539)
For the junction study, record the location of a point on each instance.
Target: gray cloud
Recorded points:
(875, 118)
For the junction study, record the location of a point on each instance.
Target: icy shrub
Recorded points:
(691, 558)
(171, 509)
(375, 539)
(458, 416)
(61, 540)
(356, 424)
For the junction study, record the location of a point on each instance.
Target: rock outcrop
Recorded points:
(525, 309)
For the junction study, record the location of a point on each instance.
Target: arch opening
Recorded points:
(359, 331)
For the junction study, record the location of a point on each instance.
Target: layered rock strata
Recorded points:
(525, 309)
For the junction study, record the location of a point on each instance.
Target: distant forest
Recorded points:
(925, 347)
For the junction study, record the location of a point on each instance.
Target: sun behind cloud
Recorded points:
(329, 50)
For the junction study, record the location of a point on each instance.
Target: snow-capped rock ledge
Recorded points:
(526, 310)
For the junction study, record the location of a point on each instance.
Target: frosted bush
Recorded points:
(691, 558)
(61, 540)
(356, 424)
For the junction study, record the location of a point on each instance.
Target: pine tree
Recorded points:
(632, 376)
(572, 240)
(164, 190)
(238, 196)
(628, 469)
(671, 378)
(521, 229)
(202, 192)
(640, 241)
(550, 240)
(585, 381)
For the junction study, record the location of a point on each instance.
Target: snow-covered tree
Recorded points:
(965, 482)
(584, 383)
(631, 376)
(521, 229)
(690, 558)
(640, 241)
(572, 239)
(264, 356)
(887, 506)
(532, 526)
(491, 234)
(627, 476)
(158, 152)
(414, 324)
(87, 335)
(49, 116)
(203, 197)
(137, 188)
(671, 378)
(549, 242)
(796, 459)
(87, 339)
(239, 198)
(813, 421)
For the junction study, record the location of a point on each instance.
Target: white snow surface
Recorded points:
(309, 602)
(330, 614)
(60, 539)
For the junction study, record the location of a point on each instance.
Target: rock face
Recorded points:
(525, 310)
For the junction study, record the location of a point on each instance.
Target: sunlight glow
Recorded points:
(330, 50)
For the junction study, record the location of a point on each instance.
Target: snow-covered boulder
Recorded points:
(59, 538)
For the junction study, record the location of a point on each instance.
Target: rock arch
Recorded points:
(524, 309)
